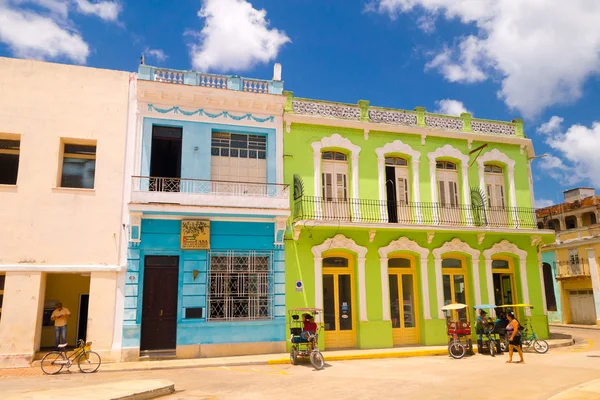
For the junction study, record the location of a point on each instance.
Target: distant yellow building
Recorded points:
(573, 289)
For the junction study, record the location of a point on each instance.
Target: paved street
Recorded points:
(477, 377)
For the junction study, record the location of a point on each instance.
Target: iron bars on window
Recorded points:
(240, 285)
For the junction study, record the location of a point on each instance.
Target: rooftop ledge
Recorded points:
(216, 81)
(416, 118)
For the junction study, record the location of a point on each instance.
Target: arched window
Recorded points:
(397, 185)
(334, 184)
(494, 187)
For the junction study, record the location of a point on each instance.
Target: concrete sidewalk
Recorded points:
(130, 390)
(586, 391)
(594, 327)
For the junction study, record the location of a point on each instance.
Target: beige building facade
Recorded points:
(62, 153)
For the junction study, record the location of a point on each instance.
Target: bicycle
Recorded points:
(540, 346)
(88, 361)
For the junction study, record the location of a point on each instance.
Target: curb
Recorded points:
(421, 353)
(588, 390)
(586, 327)
(150, 394)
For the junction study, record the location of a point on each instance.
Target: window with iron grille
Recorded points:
(240, 286)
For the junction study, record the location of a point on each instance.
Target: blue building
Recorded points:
(207, 213)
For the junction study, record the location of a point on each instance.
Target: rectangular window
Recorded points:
(9, 161)
(240, 286)
(238, 157)
(78, 166)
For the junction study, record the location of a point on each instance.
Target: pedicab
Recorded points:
(305, 343)
(490, 332)
(459, 331)
(528, 336)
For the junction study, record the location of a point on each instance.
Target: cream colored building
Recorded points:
(62, 152)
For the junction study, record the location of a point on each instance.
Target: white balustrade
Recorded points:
(213, 81)
(161, 75)
(250, 85)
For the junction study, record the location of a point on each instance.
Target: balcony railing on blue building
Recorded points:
(308, 208)
(194, 78)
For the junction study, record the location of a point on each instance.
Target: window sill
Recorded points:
(9, 188)
(74, 190)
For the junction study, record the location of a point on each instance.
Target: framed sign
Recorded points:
(195, 235)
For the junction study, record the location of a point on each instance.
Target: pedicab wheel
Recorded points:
(294, 355)
(492, 346)
(316, 359)
(53, 363)
(503, 345)
(456, 350)
(540, 346)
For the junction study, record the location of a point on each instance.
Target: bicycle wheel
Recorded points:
(316, 359)
(540, 346)
(456, 350)
(293, 355)
(53, 363)
(89, 362)
(503, 345)
(492, 346)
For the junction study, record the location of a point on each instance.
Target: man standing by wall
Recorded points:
(59, 316)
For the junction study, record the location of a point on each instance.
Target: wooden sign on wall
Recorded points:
(195, 234)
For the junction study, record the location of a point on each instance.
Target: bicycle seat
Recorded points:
(62, 346)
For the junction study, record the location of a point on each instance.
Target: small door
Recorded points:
(403, 305)
(398, 190)
(496, 196)
(447, 178)
(583, 309)
(338, 304)
(335, 186)
(159, 308)
(165, 159)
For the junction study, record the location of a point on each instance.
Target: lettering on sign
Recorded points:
(195, 235)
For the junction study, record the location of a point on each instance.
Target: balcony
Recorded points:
(209, 193)
(577, 268)
(307, 208)
(214, 81)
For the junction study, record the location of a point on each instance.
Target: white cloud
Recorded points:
(451, 107)
(578, 147)
(235, 36)
(426, 23)
(552, 126)
(542, 50)
(543, 203)
(58, 7)
(158, 54)
(30, 35)
(107, 10)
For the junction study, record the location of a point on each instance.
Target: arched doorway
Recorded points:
(404, 304)
(339, 313)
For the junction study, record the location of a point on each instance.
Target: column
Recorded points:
(439, 287)
(355, 193)
(524, 285)
(513, 195)
(425, 288)
(595, 281)
(319, 286)
(417, 189)
(466, 192)
(489, 280)
(476, 281)
(434, 193)
(362, 290)
(385, 289)
(382, 188)
(541, 269)
(101, 311)
(317, 184)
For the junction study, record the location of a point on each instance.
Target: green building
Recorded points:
(397, 213)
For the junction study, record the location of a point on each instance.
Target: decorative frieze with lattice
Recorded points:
(393, 117)
(492, 127)
(326, 110)
(444, 123)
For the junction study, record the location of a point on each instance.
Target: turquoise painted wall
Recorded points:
(162, 237)
(196, 164)
(554, 316)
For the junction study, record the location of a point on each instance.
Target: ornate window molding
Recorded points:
(496, 155)
(448, 151)
(405, 245)
(341, 242)
(455, 246)
(397, 147)
(507, 247)
(332, 142)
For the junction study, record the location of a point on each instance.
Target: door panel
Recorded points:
(450, 212)
(403, 195)
(335, 190)
(582, 306)
(403, 308)
(339, 315)
(498, 213)
(159, 307)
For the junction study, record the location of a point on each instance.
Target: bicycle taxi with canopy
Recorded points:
(458, 329)
(304, 335)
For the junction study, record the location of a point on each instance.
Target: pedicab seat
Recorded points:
(458, 328)
(296, 338)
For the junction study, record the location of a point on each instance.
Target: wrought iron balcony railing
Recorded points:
(375, 211)
(572, 268)
(213, 187)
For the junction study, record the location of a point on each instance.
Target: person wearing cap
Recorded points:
(480, 325)
(309, 327)
(59, 316)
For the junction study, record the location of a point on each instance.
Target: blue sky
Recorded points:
(499, 59)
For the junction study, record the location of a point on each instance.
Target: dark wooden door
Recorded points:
(159, 309)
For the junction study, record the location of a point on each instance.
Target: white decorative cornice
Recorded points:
(495, 155)
(456, 245)
(339, 242)
(336, 141)
(397, 147)
(403, 244)
(448, 151)
(504, 247)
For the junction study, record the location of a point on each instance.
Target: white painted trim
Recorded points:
(595, 280)
(456, 246)
(498, 156)
(341, 242)
(505, 246)
(208, 200)
(206, 210)
(425, 287)
(332, 142)
(406, 245)
(61, 268)
(489, 281)
(448, 151)
(394, 148)
(119, 311)
(210, 218)
(279, 149)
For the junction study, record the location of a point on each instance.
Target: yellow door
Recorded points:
(338, 303)
(403, 301)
